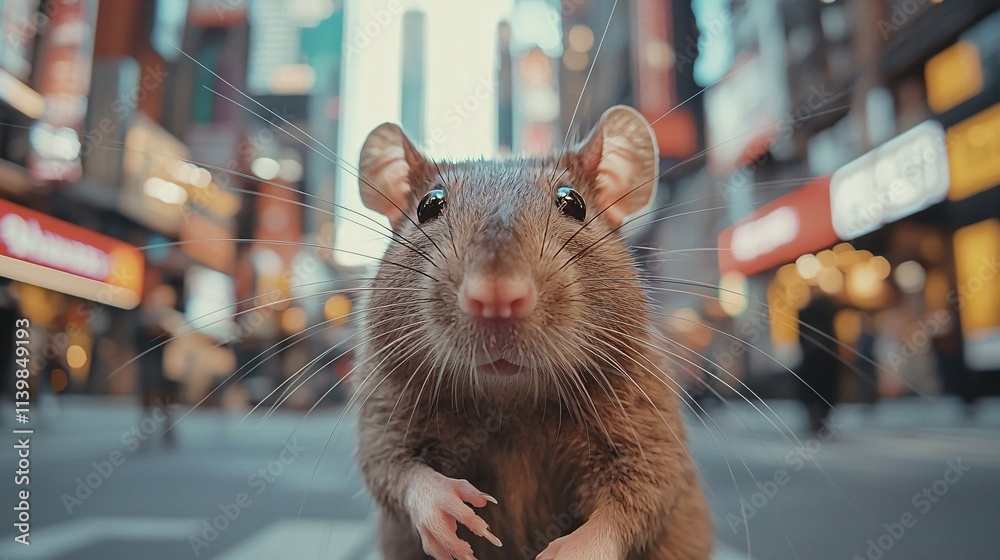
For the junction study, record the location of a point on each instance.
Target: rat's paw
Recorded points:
(583, 544)
(437, 504)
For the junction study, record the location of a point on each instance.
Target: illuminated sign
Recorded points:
(977, 277)
(974, 154)
(211, 302)
(953, 76)
(41, 250)
(779, 232)
(899, 178)
(150, 195)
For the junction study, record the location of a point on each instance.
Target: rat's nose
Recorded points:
(492, 297)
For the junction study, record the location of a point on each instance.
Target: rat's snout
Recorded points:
(484, 296)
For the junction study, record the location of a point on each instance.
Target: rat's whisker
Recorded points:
(387, 350)
(694, 157)
(586, 81)
(820, 335)
(402, 393)
(319, 328)
(333, 431)
(256, 308)
(666, 377)
(289, 380)
(604, 239)
(712, 375)
(361, 176)
(389, 232)
(283, 243)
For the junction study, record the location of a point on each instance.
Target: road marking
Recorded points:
(303, 538)
(62, 538)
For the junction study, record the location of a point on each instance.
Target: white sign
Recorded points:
(899, 178)
(765, 234)
(211, 302)
(26, 240)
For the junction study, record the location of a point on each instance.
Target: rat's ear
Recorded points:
(388, 161)
(621, 152)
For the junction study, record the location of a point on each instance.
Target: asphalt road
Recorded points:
(911, 480)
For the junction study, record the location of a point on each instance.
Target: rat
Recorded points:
(513, 404)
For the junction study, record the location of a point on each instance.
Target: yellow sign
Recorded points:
(974, 154)
(953, 76)
(978, 293)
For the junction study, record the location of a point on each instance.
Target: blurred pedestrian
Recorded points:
(820, 367)
(157, 394)
(866, 362)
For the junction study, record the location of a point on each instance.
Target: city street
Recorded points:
(272, 492)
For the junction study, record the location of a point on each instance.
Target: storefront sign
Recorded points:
(954, 75)
(210, 302)
(899, 178)
(780, 231)
(977, 276)
(150, 195)
(974, 154)
(41, 250)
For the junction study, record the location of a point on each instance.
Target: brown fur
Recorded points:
(573, 438)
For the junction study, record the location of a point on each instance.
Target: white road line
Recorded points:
(302, 538)
(57, 540)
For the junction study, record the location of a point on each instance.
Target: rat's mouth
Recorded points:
(500, 367)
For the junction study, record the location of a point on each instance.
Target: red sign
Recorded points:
(41, 250)
(780, 231)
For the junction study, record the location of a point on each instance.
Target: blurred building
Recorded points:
(850, 151)
(126, 137)
(199, 147)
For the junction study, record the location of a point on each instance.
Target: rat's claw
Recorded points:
(583, 544)
(437, 504)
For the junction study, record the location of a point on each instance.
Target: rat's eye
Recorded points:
(571, 203)
(431, 205)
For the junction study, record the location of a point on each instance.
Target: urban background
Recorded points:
(181, 229)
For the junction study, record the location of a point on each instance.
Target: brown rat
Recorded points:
(501, 367)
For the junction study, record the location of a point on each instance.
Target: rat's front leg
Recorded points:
(415, 494)
(594, 540)
(627, 493)
(436, 505)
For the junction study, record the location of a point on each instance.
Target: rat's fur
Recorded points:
(590, 431)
